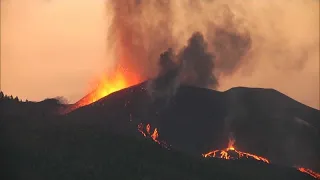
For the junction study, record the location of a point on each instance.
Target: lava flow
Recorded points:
(120, 79)
(145, 131)
(232, 153)
(310, 172)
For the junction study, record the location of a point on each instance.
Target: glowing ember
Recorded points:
(310, 172)
(232, 153)
(154, 135)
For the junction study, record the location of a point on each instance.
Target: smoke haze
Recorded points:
(267, 43)
(271, 44)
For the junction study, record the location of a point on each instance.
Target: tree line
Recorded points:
(7, 97)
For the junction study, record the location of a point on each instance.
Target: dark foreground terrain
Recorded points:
(101, 141)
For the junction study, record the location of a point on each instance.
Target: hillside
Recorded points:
(102, 140)
(196, 120)
(51, 148)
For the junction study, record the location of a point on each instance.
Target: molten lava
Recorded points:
(120, 79)
(310, 172)
(232, 153)
(146, 132)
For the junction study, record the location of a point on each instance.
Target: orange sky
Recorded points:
(51, 48)
(55, 48)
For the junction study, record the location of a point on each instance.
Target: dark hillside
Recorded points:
(44, 149)
(196, 120)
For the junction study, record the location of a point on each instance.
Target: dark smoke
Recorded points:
(193, 66)
(141, 30)
(230, 48)
(198, 63)
(168, 79)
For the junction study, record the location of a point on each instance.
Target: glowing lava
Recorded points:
(310, 172)
(232, 153)
(120, 79)
(146, 132)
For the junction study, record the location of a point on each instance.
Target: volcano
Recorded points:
(195, 121)
(244, 133)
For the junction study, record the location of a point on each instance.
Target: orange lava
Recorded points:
(146, 132)
(120, 79)
(232, 153)
(310, 172)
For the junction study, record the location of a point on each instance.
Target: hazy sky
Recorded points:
(55, 48)
(52, 48)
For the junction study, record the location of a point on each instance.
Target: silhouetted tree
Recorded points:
(1, 95)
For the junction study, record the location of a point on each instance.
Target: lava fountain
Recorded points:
(121, 78)
(231, 153)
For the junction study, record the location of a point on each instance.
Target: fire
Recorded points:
(154, 135)
(120, 79)
(310, 172)
(231, 153)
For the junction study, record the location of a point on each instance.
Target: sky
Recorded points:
(52, 48)
(55, 48)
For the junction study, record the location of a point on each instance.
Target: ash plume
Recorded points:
(168, 79)
(198, 63)
(263, 44)
(139, 32)
(193, 65)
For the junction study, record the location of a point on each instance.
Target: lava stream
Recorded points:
(232, 153)
(310, 172)
(146, 132)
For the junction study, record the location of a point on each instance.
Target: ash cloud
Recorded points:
(193, 65)
(198, 63)
(268, 44)
(139, 32)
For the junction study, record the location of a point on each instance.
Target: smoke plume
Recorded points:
(271, 44)
(193, 66)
